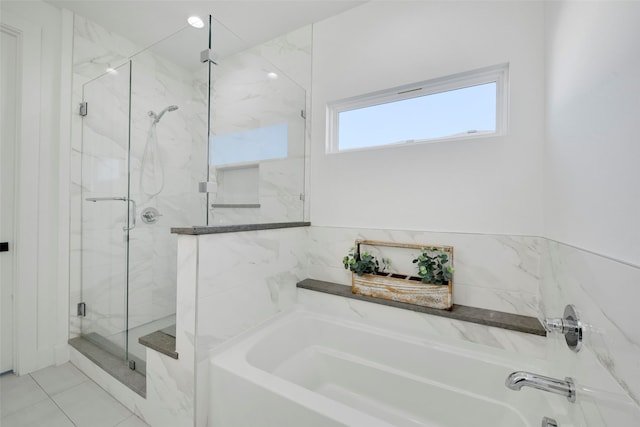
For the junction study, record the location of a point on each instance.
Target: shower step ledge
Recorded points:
(161, 342)
(481, 316)
(114, 365)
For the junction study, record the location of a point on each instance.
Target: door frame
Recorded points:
(9, 207)
(26, 202)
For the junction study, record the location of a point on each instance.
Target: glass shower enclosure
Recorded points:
(144, 151)
(154, 127)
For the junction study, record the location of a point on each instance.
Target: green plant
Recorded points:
(433, 266)
(363, 263)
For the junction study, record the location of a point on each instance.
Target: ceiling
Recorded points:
(253, 21)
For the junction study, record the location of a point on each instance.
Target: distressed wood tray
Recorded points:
(401, 287)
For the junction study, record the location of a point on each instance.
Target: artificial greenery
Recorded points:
(362, 263)
(433, 266)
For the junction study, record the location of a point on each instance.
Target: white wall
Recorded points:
(41, 319)
(490, 185)
(592, 198)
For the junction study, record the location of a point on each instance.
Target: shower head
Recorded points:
(156, 117)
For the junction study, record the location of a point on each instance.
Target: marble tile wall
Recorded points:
(491, 271)
(605, 292)
(244, 97)
(279, 184)
(179, 141)
(242, 280)
(420, 324)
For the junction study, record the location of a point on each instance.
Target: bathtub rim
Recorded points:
(232, 358)
(447, 343)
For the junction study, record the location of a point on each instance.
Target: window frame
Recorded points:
(498, 74)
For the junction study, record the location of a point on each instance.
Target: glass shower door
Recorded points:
(106, 210)
(168, 159)
(144, 153)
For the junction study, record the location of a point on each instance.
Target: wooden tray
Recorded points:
(401, 287)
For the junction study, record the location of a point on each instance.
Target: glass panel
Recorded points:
(104, 209)
(257, 131)
(169, 94)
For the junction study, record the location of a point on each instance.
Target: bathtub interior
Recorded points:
(341, 370)
(394, 395)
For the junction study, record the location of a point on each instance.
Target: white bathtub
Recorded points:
(306, 369)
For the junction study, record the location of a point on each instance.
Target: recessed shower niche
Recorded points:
(145, 139)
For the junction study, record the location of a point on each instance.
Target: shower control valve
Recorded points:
(150, 215)
(570, 326)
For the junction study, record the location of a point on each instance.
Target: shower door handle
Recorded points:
(104, 199)
(132, 224)
(123, 199)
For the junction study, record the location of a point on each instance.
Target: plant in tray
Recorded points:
(434, 266)
(363, 263)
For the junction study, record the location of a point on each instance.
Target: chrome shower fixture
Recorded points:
(156, 117)
(570, 326)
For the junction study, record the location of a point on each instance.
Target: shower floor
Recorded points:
(137, 352)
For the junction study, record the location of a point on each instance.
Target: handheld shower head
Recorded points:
(156, 117)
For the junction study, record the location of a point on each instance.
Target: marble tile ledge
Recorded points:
(217, 229)
(161, 342)
(513, 322)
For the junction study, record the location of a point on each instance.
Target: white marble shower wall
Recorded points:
(245, 97)
(156, 84)
(605, 292)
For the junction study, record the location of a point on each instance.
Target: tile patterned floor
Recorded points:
(60, 396)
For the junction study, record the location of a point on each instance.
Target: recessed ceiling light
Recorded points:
(195, 22)
(272, 75)
(110, 69)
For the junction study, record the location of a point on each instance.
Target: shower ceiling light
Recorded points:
(195, 22)
(272, 75)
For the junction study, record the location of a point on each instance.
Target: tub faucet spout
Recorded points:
(520, 379)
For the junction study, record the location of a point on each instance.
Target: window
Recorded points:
(251, 145)
(466, 105)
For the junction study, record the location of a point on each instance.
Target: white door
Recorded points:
(9, 82)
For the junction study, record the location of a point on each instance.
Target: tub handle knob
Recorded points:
(570, 326)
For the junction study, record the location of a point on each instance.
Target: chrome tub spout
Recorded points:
(520, 379)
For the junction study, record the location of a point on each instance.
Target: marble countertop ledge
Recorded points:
(160, 342)
(217, 229)
(482, 316)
